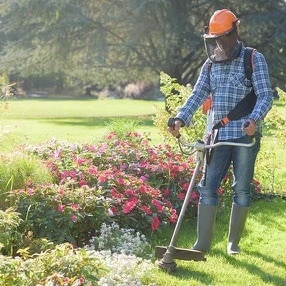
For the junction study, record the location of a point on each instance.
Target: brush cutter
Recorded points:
(167, 254)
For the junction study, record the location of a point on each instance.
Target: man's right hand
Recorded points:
(175, 129)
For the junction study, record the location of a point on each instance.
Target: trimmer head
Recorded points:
(168, 267)
(180, 253)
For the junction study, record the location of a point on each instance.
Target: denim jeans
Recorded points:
(242, 160)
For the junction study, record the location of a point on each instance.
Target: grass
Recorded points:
(263, 260)
(36, 121)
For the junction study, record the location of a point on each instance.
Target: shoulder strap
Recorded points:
(248, 62)
(208, 67)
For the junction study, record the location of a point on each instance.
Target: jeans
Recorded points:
(242, 160)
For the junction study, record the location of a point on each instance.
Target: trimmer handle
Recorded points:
(171, 123)
(246, 124)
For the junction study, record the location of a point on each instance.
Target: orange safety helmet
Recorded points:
(221, 23)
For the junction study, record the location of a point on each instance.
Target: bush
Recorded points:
(63, 265)
(19, 170)
(10, 237)
(146, 184)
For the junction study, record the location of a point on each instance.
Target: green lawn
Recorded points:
(35, 121)
(261, 262)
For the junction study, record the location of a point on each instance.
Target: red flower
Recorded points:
(146, 210)
(186, 186)
(61, 208)
(194, 196)
(174, 216)
(130, 205)
(102, 179)
(73, 174)
(166, 192)
(143, 189)
(155, 223)
(30, 191)
(75, 207)
(181, 196)
(82, 183)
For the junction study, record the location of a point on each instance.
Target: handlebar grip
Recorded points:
(246, 124)
(171, 123)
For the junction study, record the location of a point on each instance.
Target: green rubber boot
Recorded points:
(205, 227)
(237, 222)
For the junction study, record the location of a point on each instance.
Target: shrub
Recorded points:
(19, 170)
(63, 265)
(10, 237)
(120, 240)
(175, 95)
(140, 184)
(60, 213)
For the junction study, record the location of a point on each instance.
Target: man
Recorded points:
(226, 81)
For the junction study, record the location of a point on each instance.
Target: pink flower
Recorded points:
(72, 174)
(101, 179)
(110, 212)
(75, 207)
(220, 191)
(64, 174)
(81, 280)
(181, 196)
(155, 223)
(258, 190)
(92, 170)
(174, 216)
(123, 167)
(82, 183)
(120, 181)
(155, 203)
(143, 189)
(194, 196)
(130, 205)
(74, 218)
(146, 210)
(186, 186)
(160, 209)
(61, 192)
(130, 192)
(144, 178)
(30, 191)
(61, 208)
(166, 192)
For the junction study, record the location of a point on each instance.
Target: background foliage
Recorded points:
(85, 43)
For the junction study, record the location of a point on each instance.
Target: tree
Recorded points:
(105, 42)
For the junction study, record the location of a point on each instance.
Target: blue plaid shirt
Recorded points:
(228, 85)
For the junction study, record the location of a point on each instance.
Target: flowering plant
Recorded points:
(123, 180)
(146, 184)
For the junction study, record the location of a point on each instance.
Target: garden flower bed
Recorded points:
(121, 184)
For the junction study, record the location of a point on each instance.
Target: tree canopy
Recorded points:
(107, 42)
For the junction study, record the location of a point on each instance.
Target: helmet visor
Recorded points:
(216, 49)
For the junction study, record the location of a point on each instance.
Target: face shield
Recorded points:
(222, 48)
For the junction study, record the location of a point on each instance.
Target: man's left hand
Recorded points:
(249, 127)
